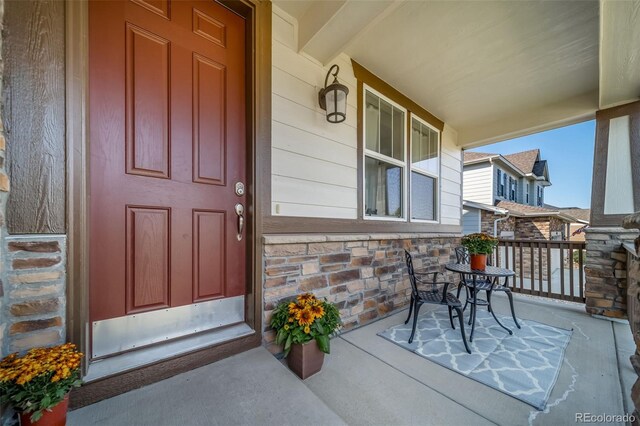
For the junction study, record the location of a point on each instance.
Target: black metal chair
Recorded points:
(462, 256)
(432, 294)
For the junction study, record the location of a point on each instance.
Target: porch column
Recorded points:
(615, 194)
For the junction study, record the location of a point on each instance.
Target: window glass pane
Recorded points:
(386, 128)
(398, 134)
(423, 197)
(372, 126)
(424, 148)
(383, 192)
(415, 136)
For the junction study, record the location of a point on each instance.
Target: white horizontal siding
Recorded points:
(470, 221)
(451, 179)
(314, 163)
(292, 139)
(297, 166)
(297, 191)
(477, 183)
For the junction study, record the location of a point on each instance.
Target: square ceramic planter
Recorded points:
(305, 360)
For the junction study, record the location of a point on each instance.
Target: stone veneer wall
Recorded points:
(487, 219)
(365, 275)
(34, 289)
(605, 271)
(538, 228)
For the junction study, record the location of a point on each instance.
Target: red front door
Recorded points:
(167, 147)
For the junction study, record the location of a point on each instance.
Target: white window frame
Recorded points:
(368, 153)
(438, 188)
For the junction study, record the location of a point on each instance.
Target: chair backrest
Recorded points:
(462, 255)
(412, 275)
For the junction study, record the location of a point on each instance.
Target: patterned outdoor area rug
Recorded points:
(525, 365)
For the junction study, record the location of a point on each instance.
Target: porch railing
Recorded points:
(545, 268)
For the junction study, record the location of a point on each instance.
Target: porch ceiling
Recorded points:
(492, 70)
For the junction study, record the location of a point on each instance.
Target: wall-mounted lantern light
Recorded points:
(333, 98)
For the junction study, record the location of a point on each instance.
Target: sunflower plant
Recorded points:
(479, 243)
(40, 379)
(304, 319)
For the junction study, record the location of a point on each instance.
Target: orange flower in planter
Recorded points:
(303, 319)
(40, 379)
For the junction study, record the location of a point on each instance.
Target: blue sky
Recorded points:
(569, 152)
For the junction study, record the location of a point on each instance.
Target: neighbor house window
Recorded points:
(510, 189)
(505, 185)
(385, 160)
(390, 173)
(425, 169)
(500, 184)
(539, 195)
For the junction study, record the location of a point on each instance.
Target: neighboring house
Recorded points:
(514, 220)
(491, 178)
(514, 183)
(580, 222)
(172, 175)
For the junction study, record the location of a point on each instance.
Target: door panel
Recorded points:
(147, 103)
(167, 145)
(208, 261)
(208, 121)
(148, 248)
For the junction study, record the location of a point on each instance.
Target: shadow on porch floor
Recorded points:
(368, 380)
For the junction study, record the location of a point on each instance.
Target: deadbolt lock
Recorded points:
(239, 189)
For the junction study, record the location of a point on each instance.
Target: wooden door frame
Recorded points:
(258, 120)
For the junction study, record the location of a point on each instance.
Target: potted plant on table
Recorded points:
(303, 326)
(479, 246)
(38, 383)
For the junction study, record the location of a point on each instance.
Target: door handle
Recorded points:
(240, 212)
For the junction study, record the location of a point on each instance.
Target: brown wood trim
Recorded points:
(34, 117)
(111, 386)
(258, 16)
(307, 225)
(375, 82)
(598, 189)
(634, 141)
(360, 150)
(599, 171)
(618, 111)
(77, 77)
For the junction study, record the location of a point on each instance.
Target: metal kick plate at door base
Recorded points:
(239, 189)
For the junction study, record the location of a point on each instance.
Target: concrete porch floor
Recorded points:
(368, 380)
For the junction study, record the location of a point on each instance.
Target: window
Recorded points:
(500, 184)
(425, 168)
(390, 173)
(505, 186)
(539, 190)
(384, 163)
(514, 191)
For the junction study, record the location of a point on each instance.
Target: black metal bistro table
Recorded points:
(491, 273)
